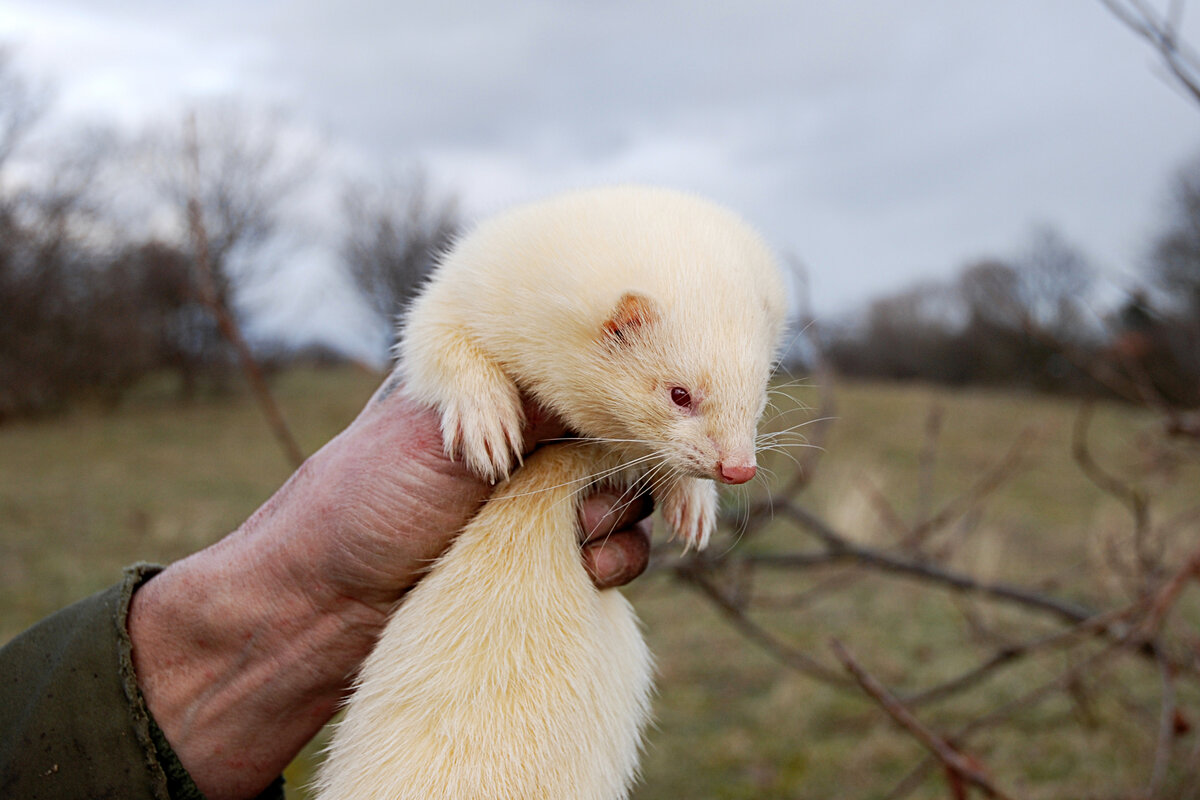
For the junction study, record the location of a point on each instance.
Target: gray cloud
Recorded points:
(877, 141)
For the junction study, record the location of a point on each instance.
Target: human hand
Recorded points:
(390, 502)
(245, 649)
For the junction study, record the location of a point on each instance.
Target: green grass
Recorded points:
(83, 495)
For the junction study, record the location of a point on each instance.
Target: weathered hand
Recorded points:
(389, 502)
(244, 649)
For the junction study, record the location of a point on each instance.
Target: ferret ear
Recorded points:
(632, 314)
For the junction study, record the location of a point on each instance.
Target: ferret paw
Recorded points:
(483, 427)
(690, 510)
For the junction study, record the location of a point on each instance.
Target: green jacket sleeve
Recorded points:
(73, 723)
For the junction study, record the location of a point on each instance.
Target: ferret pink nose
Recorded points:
(736, 473)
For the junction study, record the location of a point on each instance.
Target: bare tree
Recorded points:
(393, 236)
(21, 105)
(72, 324)
(229, 171)
(75, 322)
(1056, 283)
(251, 220)
(1167, 371)
(1175, 258)
(1042, 290)
(991, 290)
(239, 167)
(1161, 29)
(1001, 321)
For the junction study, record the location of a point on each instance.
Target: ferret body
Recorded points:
(648, 320)
(505, 673)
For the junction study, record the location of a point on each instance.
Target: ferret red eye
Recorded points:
(681, 397)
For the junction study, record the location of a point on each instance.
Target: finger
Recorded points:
(604, 513)
(620, 557)
(541, 425)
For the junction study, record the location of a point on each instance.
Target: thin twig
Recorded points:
(1010, 654)
(926, 463)
(1166, 730)
(992, 480)
(962, 766)
(842, 578)
(839, 548)
(1168, 595)
(1109, 484)
(1162, 36)
(884, 509)
(225, 321)
(782, 652)
(1022, 702)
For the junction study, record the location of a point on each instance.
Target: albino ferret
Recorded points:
(648, 320)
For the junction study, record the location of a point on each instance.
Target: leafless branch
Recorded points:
(736, 616)
(992, 480)
(926, 462)
(1011, 653)
(227, 324)
(1134, 499)
(1166, 729)
(1161, 30)
(839, 549)
(964, 767)
(1088, 636)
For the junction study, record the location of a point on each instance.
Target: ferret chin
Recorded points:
(649, 321)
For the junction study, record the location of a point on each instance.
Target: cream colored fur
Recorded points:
(519, 304)
(505, 673)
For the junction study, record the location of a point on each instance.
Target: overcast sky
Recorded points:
(877, 142)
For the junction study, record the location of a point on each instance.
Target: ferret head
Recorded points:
(686, 383)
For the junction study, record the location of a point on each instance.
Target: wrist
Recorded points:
(223, 655)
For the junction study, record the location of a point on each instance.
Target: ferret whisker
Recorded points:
(796, 383)
(808, 422)
(782, 451)
(624, 501)
(605, 440)
(634, 490)
(770, 500)
(584, 481)
(785, 439)
(795, 405)
(599, 477)
(638, 482)
(800, 444)
(653, 478)
(659, 478)
(739, 530)
(784, 414)
(779, 362)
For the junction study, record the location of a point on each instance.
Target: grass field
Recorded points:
(83, 495)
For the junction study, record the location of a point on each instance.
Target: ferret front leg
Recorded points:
(690, 508)
(479, 404)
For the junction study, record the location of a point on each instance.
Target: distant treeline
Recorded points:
(93, 298)
(1034, 322)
